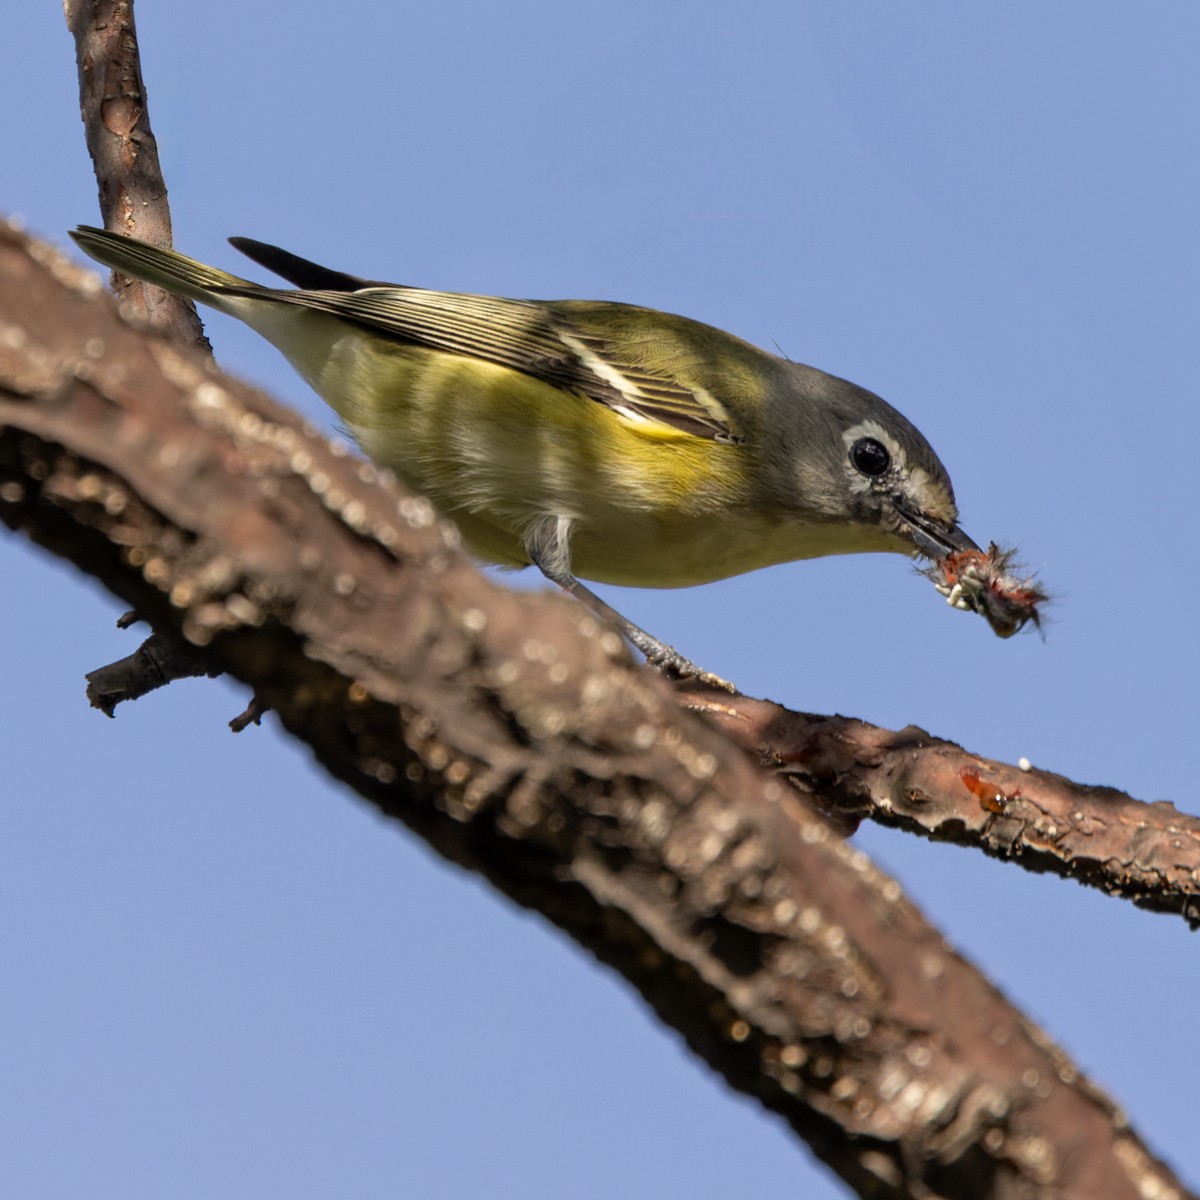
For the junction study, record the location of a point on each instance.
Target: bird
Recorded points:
(592, 439)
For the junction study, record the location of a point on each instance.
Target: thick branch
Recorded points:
(516, 736)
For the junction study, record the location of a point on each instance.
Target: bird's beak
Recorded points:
(933, 538)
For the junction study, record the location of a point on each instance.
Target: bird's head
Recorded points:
(860, 465)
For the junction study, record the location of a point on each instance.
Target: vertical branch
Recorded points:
(116, 119)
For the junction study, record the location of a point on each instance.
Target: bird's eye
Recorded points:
(870, 457)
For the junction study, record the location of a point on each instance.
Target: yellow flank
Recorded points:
(496, 449)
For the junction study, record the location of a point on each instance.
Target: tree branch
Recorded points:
(124, 153)
(517, 737)
(1147, 853)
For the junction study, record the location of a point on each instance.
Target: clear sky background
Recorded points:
(224, 976)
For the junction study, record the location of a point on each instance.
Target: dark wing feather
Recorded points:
(300, 271)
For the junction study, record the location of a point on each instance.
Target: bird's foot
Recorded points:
(673, 665)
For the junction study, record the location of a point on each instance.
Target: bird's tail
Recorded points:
(168, 269)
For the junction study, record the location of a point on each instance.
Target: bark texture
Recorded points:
(124, 154)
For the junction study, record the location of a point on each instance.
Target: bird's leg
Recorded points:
(548, 545)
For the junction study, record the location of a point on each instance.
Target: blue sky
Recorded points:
(223, 975)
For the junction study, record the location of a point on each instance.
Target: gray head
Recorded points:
(856, 462)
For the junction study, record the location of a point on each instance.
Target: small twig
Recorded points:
(251, 715)
(161, 658)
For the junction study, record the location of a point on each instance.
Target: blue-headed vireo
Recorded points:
(589, 438)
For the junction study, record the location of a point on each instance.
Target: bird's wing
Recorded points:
(649, 367)
(576, 350)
